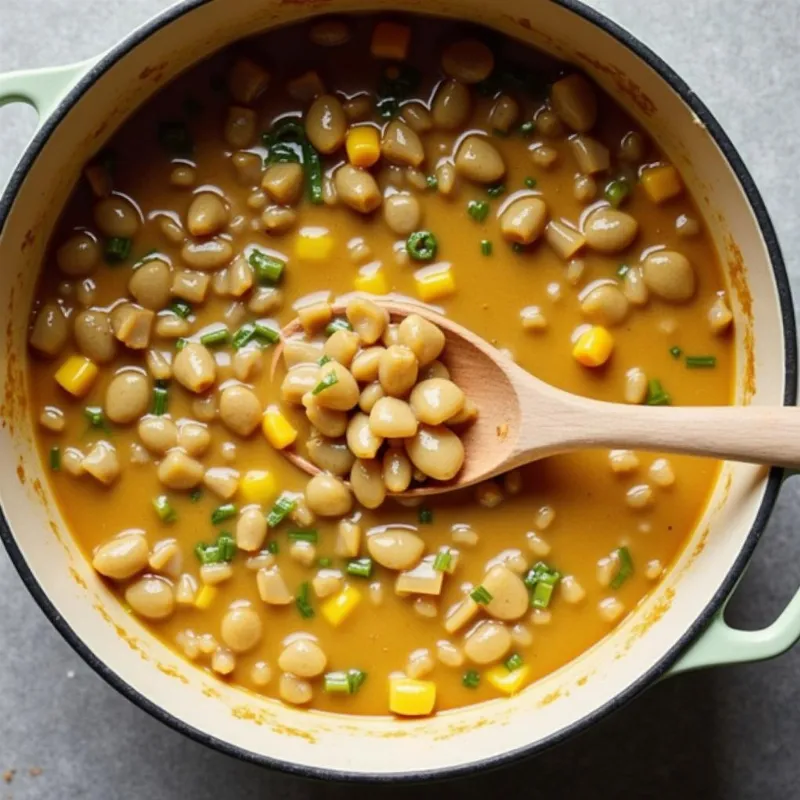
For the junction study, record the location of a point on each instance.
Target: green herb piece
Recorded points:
(223, 512)
(269, 335)
(480, 594)
(360, 567)
(513, 662)
(675, 352)
(95, 416)
(226, 545)
(486, 247)
(223, 550)
(303, 602)
(625, 567)
(273, 547)
(309, 535)
(243, 335)
(527, 128)
(422, 246)
(496, 190)
(478, 210)
(623, 270)
(342, 682)
(175, 138)
(617, 191)
(530, 183)
(183, 310)
(160, 400)
(324, 562)
(181, 343)
(542, 594)
(425, 515)
(433, 182)
(387, 107)
(284, 142)
(281, 509)
(656, 396)
(267, 268)
(312, 168)
(196, 495)
(541, 579)
(325, 382)
(166, 513)
(323, 360)
(55, 458)
(701, 362)
(217, 337)
(338, 324)
(117, 249)
(442, 561)
(471, 679)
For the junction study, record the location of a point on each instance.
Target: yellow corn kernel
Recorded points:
(76, 375)
(363, 146)
(661, 183)
(340, 606)
(435, 285)
(373, 283)
(258, 486)
(410, 697)
(390, 40)
(279, 431)
(505, 681)
(205, 597)
(593, 347)
(313, 244)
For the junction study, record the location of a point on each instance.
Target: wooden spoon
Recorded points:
(522, 418)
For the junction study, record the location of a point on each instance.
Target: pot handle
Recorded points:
(40, 88)
(720, 644)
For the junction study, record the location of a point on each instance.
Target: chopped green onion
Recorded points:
(174, 137)
(181, 343)
(267, 268)
(243, 335)
(164, 509)
(701, 362)
(309, 535)
(273, 547)
(302, 601)
(322, 361)
(623, 270)
(542, 593)
(55, 458)
(223, 512)
(281, 509)
(160, 400)
(227, 546)
(95, 416)
(224, 549)
(342, 682)
(196, 495)
(496, 190)
(312, 168)
(219, 336)
(675, 352)
(541, 579)
(338, 324)
(656, 396)
(325, 383)
(361, 567)
(471, 679)
(530, 183)
(478, 210)
(625, 567)
(425, 515)
(480, 594)
(486, 247)
(422, 246)
(266, 333)
(324, 562)
(117, 249)
(387, 107)
(433, 182)
(513, 662)
(442, 561)
(183, 310)
(527, 128)
(617, 192)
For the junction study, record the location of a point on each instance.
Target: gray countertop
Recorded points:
(724, 733)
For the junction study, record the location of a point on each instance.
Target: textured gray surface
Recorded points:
(726, 733)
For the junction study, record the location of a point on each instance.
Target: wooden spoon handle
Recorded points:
(757, 434)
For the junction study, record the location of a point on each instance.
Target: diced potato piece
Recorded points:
(306, 87)
(435, 285)
(76, 375)
(313, 244)
(661, 183)
(258, 486)
(315, 316)
(505, 681)
(272, 587)
(190, 285)
(363, 146)
(460, 615)
(411, 698)
(223, 481)
(372, 283)
(591, 155)
(247, 80)
(348, 539)
(593, 347)
(423, 579)
(279, 431)
(564, 240)
(390, 40)
(340, 606)
(102, 463)
(205, 597)
(327, 582)
(132, 325)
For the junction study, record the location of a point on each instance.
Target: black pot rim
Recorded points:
(646, 679)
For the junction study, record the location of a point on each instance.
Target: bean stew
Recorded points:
(305, 174)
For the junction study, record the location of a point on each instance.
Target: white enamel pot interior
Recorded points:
(638, 652)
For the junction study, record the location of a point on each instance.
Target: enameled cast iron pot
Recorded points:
(679, 627)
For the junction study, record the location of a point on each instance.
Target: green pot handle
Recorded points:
(721, 644)
(40, 88)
